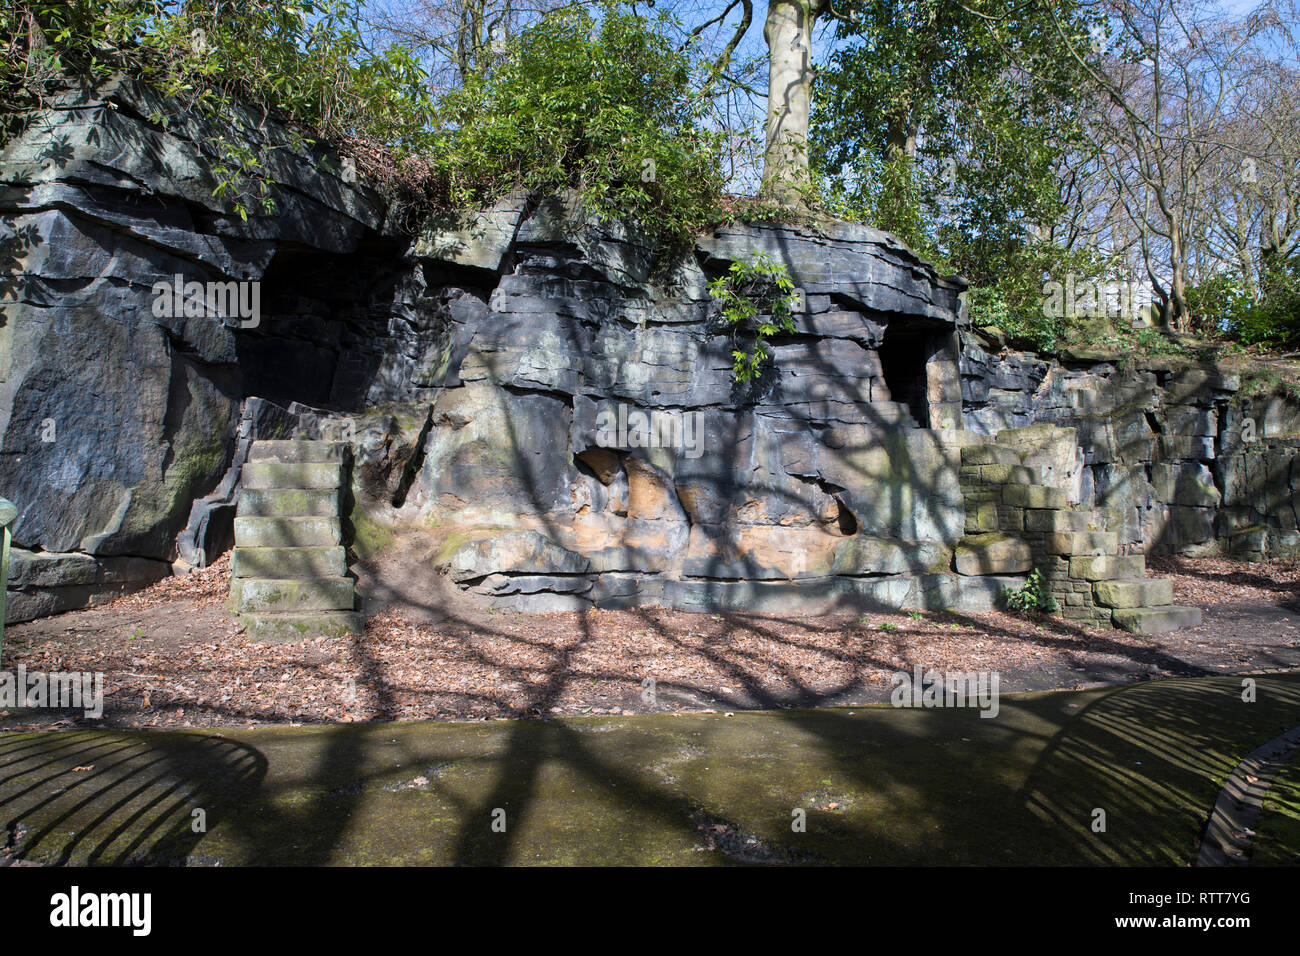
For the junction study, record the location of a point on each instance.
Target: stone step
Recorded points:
(1082, 519)
(1155, 620)
(990, 454)
(1144, 593)
(251, 532)
(285, 628)
(992, 554)
(1035, 496)
(1083, 542)
(283, 563)
(295, 450)
(999, 475)
(298, 594)
(288, 502)
(1108, 567)
(275, 474)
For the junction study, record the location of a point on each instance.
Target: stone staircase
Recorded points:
(1015, 522)
(289, 568)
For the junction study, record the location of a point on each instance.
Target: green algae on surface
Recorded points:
(874, 785)
(1277, 834)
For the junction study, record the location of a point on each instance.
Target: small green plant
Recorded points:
(1024, 323)
(1157, 342)
(1260, 380)
(756, 295)
(887, 626)
(1031, 598)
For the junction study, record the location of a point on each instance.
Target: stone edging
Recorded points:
(1228, 834)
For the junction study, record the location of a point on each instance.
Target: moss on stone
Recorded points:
(369, 538)
(451, 544)
(878, 784)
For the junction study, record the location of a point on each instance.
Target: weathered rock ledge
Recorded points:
(548, 399)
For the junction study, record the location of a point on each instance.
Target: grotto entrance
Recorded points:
(324, 327)
(920, 365)
(904, 353)
(331, 335)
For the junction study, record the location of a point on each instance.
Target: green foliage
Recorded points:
(947, 124)
(1014, 297)
(1158, 342)
(888, 194)
(1032, 597)
(992, 92)
(1225, 306)
(989, 308)
(756, 295)
(302, 60)
(1260, 380)
(601, 105)
(1216, 304)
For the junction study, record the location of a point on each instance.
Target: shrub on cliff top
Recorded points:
(602, 104)
(304, 61)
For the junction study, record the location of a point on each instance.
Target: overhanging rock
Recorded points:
(532, 371)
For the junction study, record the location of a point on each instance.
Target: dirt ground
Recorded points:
(173, 656)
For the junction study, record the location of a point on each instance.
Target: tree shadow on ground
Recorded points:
(121, 798)
(875, 785)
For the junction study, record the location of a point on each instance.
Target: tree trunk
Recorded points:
(900, 139)
(788, 32)
(1179, 313)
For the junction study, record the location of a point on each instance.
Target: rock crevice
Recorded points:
(550, 400)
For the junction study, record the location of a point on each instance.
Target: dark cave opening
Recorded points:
(323, 320)
(904, 353)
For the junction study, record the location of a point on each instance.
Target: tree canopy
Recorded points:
(1020, 143)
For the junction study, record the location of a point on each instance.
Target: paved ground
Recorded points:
(874, 785)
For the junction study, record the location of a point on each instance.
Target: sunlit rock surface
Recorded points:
(561, 385)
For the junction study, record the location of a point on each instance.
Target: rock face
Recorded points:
(595, 449)
(121, 413)
(550, 400)
(1175, 459)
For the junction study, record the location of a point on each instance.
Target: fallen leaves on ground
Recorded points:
(595, 662)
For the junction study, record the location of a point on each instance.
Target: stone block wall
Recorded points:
(1175, 457)
(1019, 520)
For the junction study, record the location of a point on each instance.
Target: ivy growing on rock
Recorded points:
(756, 295)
